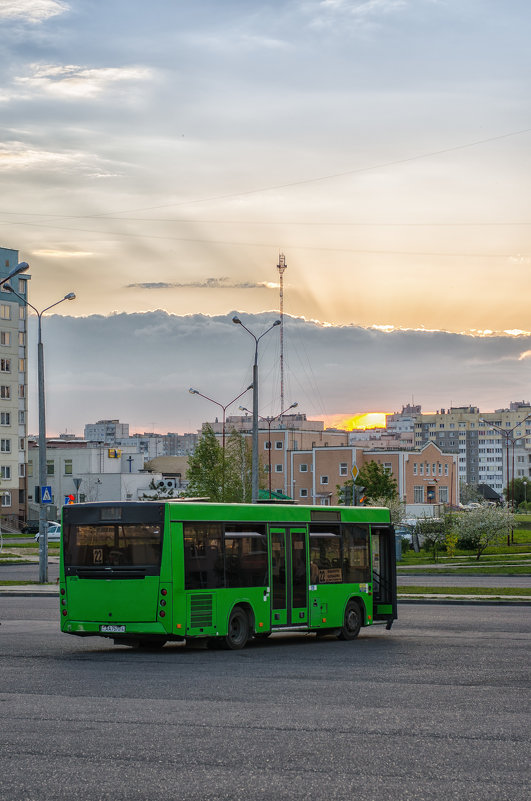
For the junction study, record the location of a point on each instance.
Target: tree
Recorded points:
(206, 467)
(433, 533)
(217, 474)
(484, 526)
(238, 472)
(469, 493)
(517, 491)
(397, 509)
(377, 481)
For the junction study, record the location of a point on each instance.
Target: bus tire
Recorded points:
(352, 624)
(239, 629)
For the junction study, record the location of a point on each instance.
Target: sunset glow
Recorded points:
(357, 421)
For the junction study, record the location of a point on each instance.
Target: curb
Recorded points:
(447, 600)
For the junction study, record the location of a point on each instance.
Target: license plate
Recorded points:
(109, 628)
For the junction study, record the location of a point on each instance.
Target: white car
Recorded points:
(54, 532)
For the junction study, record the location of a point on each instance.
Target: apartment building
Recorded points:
(106, 431)
(491, 446)
(13, 392)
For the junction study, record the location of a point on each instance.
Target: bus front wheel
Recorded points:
(352, 625)
(238, 632)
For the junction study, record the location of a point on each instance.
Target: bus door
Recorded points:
(384, 573)
(289, 577)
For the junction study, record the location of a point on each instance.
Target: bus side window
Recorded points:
(356, 558)
(203, 565)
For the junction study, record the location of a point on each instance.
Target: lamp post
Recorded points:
(43, 523)
(254, 462)
(224, 407)
(524, 482)
(20, 268)
(508, 438)
(270, 420)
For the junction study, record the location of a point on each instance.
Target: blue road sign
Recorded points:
(46, 495)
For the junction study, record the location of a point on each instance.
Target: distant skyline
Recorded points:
(160, 156)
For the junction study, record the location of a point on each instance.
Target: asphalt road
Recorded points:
(434, 709)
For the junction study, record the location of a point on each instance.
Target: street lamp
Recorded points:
(224, 407)
(524, 482)
(254, 463)
(270, 420)
(196, 392)
(20, 268)
(43, 523)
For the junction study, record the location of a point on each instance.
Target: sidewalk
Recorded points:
(52, 591)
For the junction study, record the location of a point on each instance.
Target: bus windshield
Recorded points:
(113, 545)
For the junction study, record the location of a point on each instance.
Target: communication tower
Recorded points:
(281, 267)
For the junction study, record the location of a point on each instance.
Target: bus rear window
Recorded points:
(113, 545)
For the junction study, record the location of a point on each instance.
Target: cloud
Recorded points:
(62, 254)
(207, 283)
(33, 11)
(152, 358)
(362, 12)
(20, 156)
(72, 81)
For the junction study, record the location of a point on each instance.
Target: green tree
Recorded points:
(469, 493)
(479, 528)
(433, 533)
(206, 467)
(397, 508)
(518, 491)
(238, 474)
(217, 474)
(377, 481)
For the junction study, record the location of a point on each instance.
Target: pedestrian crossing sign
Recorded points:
(46, 495)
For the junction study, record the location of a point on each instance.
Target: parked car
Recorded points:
(406, 532)
(54, 532)
(30, 527)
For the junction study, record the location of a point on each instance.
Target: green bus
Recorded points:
(145, 573)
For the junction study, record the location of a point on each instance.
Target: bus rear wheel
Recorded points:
(352, 625)
(238, 632)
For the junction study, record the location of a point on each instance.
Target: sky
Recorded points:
(156, 158)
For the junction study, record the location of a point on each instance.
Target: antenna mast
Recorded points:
(281, 266)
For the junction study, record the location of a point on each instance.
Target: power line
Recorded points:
(228, 243)
(331, 176)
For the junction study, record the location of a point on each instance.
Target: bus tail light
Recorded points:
(65, 612)
(162, 613)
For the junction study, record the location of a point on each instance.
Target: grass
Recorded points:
(464, 591)
(10, 583)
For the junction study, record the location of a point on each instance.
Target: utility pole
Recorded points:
(281, 267)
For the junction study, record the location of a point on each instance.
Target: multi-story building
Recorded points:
(106, 431)
(179, 444)
(485, 442)
(13, 392)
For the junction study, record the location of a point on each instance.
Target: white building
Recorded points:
(89, 473)
(13, 391)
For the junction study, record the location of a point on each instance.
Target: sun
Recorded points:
(357, 421)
